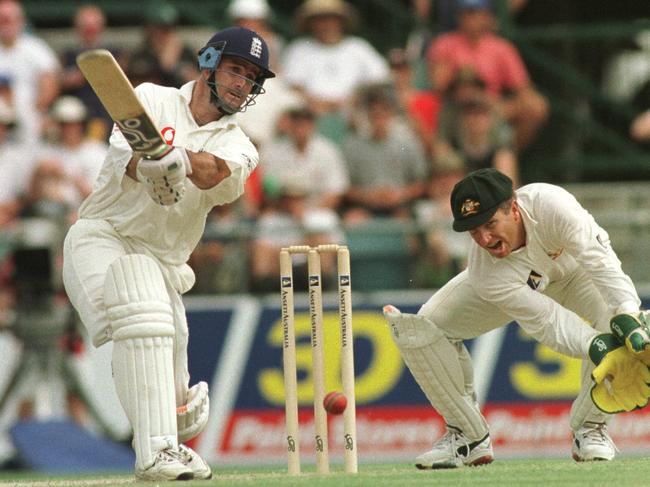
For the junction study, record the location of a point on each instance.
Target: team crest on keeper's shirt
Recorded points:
(286, 281)
(469, 207)
(313, 281)
(534, 280)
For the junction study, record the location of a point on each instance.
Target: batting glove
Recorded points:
(621, 380)
(164, 178)
(175, 164)
(632, 330)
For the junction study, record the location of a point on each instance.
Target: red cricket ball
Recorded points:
(335, 402)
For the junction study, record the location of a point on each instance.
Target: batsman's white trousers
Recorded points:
(89, 248)
(462, 314)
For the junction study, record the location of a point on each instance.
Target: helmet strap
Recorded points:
(223, 108)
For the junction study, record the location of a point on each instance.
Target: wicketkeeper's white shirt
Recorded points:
(561, 236)
(169, 233)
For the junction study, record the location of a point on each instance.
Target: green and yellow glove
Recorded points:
(621, 380)
(632, 330)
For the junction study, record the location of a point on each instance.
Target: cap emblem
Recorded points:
(469, 207)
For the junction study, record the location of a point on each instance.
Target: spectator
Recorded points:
(422, 32)
(32, 68)
(77, 153)
(482, 139)
(15, 167)
(626, 77)
(162, 58)
(328, 64)
(447, 12)
(387, 167)
(418, 40)
(442, 252)
(63, 171)
(289, 219)
(89, 26)
(498, 64)
(308, 157)
(420, 106)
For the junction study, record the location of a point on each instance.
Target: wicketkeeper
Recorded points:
(537, 258)
(125, 258)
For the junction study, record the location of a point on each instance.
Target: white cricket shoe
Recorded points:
(455, 450)
(200, 468)
(592, 442)
(167, 465)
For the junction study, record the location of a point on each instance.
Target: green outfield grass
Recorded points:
(521, 473)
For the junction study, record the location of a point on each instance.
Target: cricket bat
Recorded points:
(117, 95)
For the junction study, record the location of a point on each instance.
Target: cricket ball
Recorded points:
(335, 402)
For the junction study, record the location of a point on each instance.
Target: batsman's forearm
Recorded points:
(207, 169)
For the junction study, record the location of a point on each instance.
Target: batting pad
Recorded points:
(435, 365)
(141, 319)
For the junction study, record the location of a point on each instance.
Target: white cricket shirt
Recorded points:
(333, 71)
(560, 236)
(169, 233)
(24, 63)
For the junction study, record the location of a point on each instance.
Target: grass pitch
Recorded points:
(520, 473)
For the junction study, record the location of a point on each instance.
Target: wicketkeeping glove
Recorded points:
(632, 330)
(621, 380)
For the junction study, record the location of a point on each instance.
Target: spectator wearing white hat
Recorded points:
(328, 64)
(66, 167)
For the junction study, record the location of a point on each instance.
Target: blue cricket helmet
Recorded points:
(240, 42)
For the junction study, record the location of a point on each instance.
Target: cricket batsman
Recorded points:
(125, 259)
(537, 258)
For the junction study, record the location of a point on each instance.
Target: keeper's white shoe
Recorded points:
(190, 458)
(167, 465)
(455, 450)
(592, 443)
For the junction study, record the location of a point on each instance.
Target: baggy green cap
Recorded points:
(477, 196)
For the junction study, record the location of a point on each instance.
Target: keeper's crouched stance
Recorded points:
(538, 258)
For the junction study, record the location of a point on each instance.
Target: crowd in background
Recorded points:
(348, 137)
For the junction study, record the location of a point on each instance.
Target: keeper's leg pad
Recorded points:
(142, 325)
(435, 365)
(465, 360)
